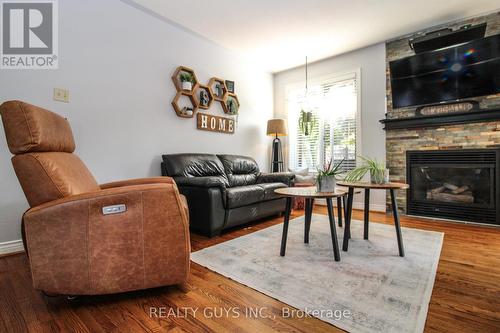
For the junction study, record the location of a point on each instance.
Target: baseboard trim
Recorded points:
(11, 247)
(356, 205)
(373, 207)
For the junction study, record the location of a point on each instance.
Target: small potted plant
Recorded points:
(325, 179)
(232, 105)
(187, 81)
(305, 122)
(187, 111)
(219, 91)
(378, 173)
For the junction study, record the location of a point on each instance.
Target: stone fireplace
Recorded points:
(407, 132)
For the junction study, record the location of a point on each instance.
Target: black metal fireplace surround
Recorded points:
(460, 184)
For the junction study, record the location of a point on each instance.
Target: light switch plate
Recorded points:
(61, 95)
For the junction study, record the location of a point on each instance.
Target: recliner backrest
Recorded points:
(42, 143)
(240, 170)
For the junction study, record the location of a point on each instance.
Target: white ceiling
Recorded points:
(278, 34)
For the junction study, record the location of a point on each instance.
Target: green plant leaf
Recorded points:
(369, 165)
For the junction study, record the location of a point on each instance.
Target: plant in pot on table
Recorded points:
(187, 81)
(325, 179)
(378, 173)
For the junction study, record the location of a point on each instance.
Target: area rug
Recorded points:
(371, 289)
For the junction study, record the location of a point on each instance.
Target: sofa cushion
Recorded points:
(240, 170)
(192, 165)
(286, 178)
(239, 196)
(269, 190)
(309, 179)
(302, 176)
(211, 181)
(299, 171)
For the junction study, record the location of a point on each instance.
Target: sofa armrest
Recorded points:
(76, 249)
(276, 177)
(206, 209)
(206, 182)
(138, 181)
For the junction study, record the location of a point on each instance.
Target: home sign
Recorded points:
(211, 123)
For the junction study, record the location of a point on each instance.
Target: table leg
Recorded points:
(307, 219)
(288, 210)
(339, 210)
(396, 224)
(306, 214)
(333, 230)
(344, 204)
(367, 212)
(347, 228)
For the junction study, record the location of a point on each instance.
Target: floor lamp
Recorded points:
(277, 128)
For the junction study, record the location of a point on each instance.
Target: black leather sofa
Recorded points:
(224, 191)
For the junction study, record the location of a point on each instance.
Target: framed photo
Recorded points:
(230, 86)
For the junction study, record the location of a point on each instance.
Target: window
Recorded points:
(332, 133)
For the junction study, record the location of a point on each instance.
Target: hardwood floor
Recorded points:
(466, 295)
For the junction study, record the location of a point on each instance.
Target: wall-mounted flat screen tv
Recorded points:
(457, 72)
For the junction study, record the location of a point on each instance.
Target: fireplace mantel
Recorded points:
(443, 119)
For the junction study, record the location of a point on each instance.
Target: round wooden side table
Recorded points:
(309, 194)
(367, 187)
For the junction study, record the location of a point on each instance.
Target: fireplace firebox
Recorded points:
(460, 184)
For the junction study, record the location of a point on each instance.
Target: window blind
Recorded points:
(333, 105)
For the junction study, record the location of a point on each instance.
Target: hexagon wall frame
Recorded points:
(197, 96)
(224, 89)
(176, 107)
(177, 81)
(226, 108)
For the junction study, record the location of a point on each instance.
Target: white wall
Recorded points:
(371, 61)
(117, 60)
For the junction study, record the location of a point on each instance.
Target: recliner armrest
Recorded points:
(206, 182)
(138, 181)
(276, 177)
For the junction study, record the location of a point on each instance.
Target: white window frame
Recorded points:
(337, 76)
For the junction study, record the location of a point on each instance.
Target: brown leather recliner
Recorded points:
(83, 238)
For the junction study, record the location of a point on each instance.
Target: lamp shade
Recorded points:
(277, 127)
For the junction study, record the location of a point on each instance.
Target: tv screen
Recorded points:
(467, 70)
